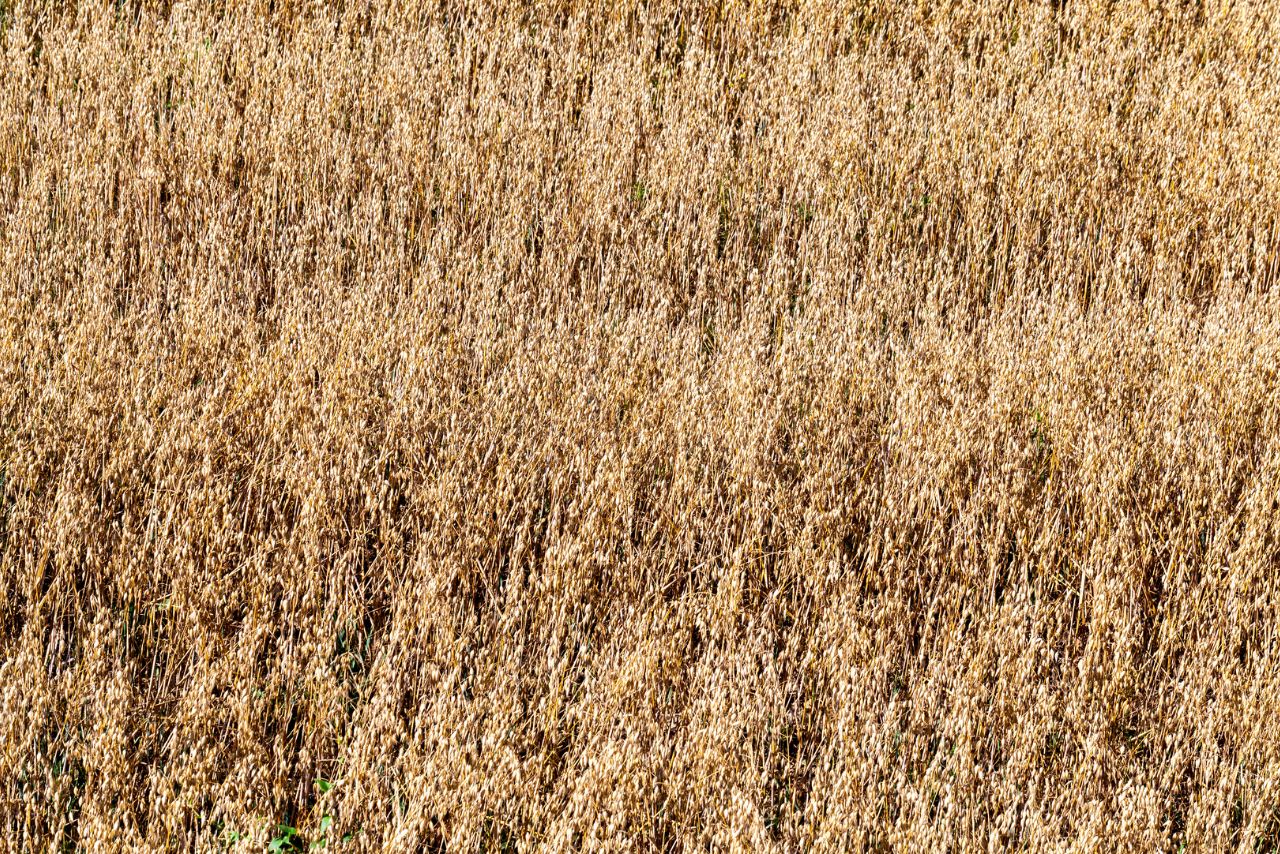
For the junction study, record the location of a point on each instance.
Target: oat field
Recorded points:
(602, 425)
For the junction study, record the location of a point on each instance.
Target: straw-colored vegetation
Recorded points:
(580, 425)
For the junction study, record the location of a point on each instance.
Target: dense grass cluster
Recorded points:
(670, 425)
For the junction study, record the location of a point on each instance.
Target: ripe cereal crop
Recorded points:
(683, 425)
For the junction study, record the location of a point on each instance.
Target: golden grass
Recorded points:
(679, 425)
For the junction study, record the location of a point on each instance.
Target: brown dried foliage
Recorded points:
(769, 424)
